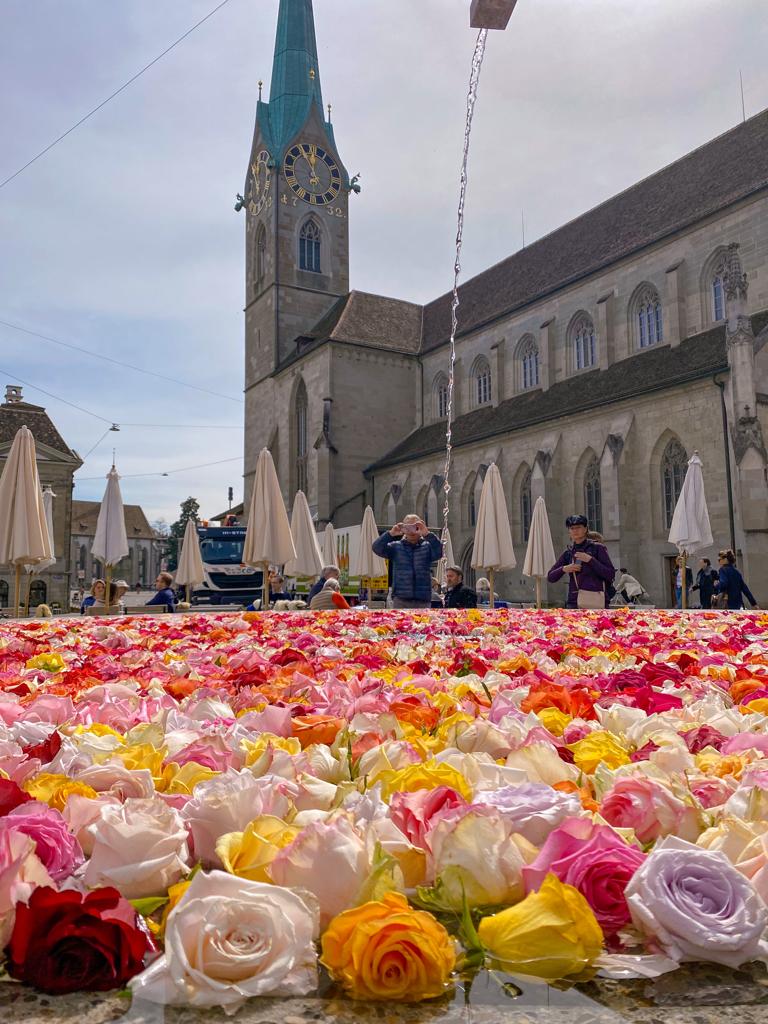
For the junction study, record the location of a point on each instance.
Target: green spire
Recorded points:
(295, 73)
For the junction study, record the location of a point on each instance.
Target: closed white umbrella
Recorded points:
(189, 572)
(690, 530)
(308, 560)
(24, 536)
(110, 543)
(31, 570)
(268, 539)
(540, 553)
(493, 548)
(367, 564)
(330, 551)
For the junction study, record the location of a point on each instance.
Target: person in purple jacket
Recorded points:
(584, 558)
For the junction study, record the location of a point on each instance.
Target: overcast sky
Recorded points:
(123, 239)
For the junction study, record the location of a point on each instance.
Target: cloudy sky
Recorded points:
(122, 239)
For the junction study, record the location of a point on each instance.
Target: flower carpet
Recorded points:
(203, 809)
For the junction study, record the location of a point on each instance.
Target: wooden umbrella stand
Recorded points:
(490, 581)
(538, 592)
(107, 589)
(17, 602)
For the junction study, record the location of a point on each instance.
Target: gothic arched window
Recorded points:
(38, 592)
(440, 396)
(649, 321)
(674, 465)
(593, 499)
(261, 254)
(3, 594)
(718, 297)
(82, 559)
(583, 342)
(526, 505)
(301, 446)
(309, 247)
(481, 381)
(528, 354)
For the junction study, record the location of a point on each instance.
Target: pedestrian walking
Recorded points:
(588, 566)
(679, 582)
(706, 579)
(730, 583)
(411, 549)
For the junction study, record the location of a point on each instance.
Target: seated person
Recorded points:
(329, 598)
(277, 591)
(456, 594)
(436, 600)
(329, 572)
(96, 596)
(165, 594)
(117, 596)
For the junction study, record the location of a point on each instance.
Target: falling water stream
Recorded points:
(474, 82)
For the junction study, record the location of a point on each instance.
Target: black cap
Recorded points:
(576, 521)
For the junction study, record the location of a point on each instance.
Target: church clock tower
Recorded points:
(296, 199)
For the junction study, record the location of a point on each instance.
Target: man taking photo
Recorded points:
(412, 549)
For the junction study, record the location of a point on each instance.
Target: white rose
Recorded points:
(139, 846)
(229, 939)
(115, 779)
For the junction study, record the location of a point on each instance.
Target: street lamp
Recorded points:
(491, 13)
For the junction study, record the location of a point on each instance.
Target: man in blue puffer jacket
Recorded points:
(412, 549)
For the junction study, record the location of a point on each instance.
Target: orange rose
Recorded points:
(311, 729)
(420, 715)
(385, 950)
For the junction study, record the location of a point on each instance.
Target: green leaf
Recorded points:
(386, 876)
(149, 904)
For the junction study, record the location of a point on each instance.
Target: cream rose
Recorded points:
(139, 847)
(745, 844)
(229, 939)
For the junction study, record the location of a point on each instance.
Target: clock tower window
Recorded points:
(261, 254)
(309, 246)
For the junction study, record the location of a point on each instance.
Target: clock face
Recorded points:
(260, 180)
(312, 174)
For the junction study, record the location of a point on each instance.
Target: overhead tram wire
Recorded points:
(111, 96)
(168, 472)
(118, 362)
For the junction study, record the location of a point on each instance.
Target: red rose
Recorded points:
(68, 942)
(11, 796)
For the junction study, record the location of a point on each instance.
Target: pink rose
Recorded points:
(58, 850)
(649, 808)
(596, 861)
(416, 813)
(20, 873)
(712, 792)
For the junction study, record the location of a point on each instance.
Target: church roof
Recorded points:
(717, 174)
(652, 370)
(295, 77)
(14, 415)
(86, 513)
(365, 319)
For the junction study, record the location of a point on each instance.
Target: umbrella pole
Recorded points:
(490, 580)
(107, 588)
(187, 590)
(265, 587)
(29, 593)
(17, 602)
(538, 592)
(683, 588)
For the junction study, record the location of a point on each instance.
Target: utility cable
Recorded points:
(118, 362)
(169, 472)
(111, 96)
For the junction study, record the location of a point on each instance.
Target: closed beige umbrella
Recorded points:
(308, 560)
(110, 544)
(690, 530)
(189, 572)
(540, 553)
(493, 548)
(268, 539)
(330, 551)
(31, 570)
(24, 536)
(367, 564)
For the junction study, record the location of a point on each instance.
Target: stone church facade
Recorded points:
(590, 365)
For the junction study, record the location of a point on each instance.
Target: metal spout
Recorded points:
(494, 14)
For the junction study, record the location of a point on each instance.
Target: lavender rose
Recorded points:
(532, 808)
(697, 906)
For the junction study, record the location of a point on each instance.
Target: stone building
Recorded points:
(590, 365)
(56, 466)
(141, 564)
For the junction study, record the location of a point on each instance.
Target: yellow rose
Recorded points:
(254, 749)
(428, 775)
(385, 950)
(143, 755)
(554, 720)
(174, 895)
(552, 934)
(759, 706)
(48, 662)
(183, 779)
(596, 748)
(55, 790)
(248, 854)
